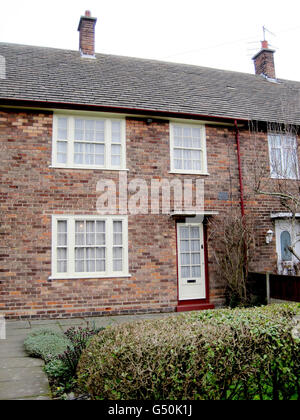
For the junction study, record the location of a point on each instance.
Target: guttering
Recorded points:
(237, 136)
(112, 109)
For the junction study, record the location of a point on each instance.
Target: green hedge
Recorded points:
(210, 355)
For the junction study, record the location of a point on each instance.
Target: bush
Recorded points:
(79, 338)
(220, 354)
(46, 344)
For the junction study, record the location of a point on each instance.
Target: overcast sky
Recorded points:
(219, 34)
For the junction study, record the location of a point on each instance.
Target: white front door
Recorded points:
(191, 269)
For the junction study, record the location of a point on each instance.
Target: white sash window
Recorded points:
(188, 149)
(89, 246)
(88, 142)
(283, 156)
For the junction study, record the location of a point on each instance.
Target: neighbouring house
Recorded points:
(72, 122)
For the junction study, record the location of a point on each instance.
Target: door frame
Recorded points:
(194, 304)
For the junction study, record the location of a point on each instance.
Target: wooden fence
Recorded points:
(268, 286)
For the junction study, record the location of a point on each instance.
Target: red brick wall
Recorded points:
(31, 192)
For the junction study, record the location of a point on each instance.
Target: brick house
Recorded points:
(72, 119)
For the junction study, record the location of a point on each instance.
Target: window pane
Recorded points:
(116, 160)
(196, 259)
(100, 259)
(177, 141)
(100, 265)
(118, 227)
(79, 129)
(197, 143)
(62, 226)
(117, 265)
(117, 259)
(184, 232)
(177, 153)
(187, 164)
(89, 134)
(90, 260)
(61, 152)
(90, 233)
(116, 132)
(177, 131)
(117, 253)
(79, 266)
(185, 259)
(100, 233)
(79, 233)
(78, 153)
(62, 233)
(185, 272)
(195, 233)
(187, 142)
(99, 131)
(195, 246)
(79, 260)
(196, 133)
(62, 133)
(197, 165)
(178, 164)
(276, 166)
(90, 266)
(184, 246)
(62, 260)
(100, 253)
(196, 272)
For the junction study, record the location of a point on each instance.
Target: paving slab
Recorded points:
(17, 325)
(20, 362)
(28, 388)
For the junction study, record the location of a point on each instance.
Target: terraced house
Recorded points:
(71, 121)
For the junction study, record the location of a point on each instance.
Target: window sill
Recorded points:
(189, 173)
(284, 178)
(84, 276)
(85, 168)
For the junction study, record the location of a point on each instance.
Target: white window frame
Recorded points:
(273, 174)
(71, 273)
(70, 164)
(203, 171)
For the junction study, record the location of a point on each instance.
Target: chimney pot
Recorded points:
(86, 30)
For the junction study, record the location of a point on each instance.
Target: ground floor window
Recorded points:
(89, 246)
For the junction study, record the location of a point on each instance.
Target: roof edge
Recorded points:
(105, 108)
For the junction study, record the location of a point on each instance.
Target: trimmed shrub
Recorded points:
(212, 355)
(46, 344)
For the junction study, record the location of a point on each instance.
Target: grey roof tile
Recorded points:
(63, 76)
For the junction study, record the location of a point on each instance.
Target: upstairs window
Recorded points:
(188, 149)
(283, 156)
(88, 143)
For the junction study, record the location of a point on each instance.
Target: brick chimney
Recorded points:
(264, 61)
(86, 30)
